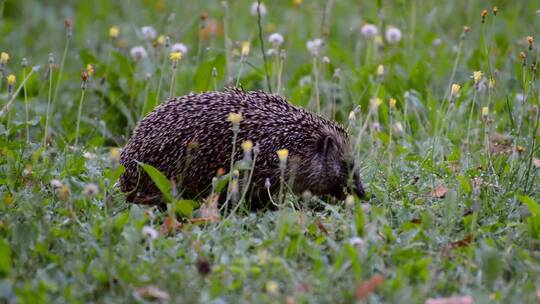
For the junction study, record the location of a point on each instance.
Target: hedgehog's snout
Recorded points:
(358, 188)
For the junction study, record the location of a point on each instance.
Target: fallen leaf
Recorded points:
(416, 221)
(365, 288)
(153, 293)
(457, 244)
(452, 300)
(439, 191)
(321, 226)
(170, 225)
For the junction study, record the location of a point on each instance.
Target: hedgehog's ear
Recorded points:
(325, 144)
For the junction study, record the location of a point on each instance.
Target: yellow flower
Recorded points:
(4, 58)
(175, 56)
(247, 145)
(245, 48)
(235, 118)
(477, 76)
(161, 40)
(380, 70)
(11, 79)
(272, 287)
(352, 115)
(485, 111)
(297, 2)
(455, 89)
(283, 154)
(113, 32)
(90, 70)
(375, 102)
(392, 102)
(115, 154)
(378, 40)
(530, 40)
(492, 83)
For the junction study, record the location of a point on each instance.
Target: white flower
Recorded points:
(262, 9)
(276, 39)
(398, 127)
(91, 190)
(304, 81)
(179, 47)
(519, 97)
(369, 30)
(150, 232)
(326, 60)
(393, 34)
(437, 42)
(148, 32)
(138, 53)
(314, 46)
(56, 184)
(366, 207)
(356, 241)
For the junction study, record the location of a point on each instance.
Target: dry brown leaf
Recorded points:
(457, 244)
(452, 300)
(321, 226)
(153, 293)
(170, 225)
(364, 289)
(439, 191)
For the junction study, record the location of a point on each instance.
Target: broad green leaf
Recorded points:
(159, 179)
(185, 207)
(5, 258)
(534, 207)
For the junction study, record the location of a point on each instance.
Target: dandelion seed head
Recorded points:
(369, 30)
(150, 233)
(91, 190)
(276, 39)
(148, 32)
(393, 34)
(138, 53)
(256, 7)
(314, 46)
(179, 47)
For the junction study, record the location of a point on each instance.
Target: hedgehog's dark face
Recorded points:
(333, 170)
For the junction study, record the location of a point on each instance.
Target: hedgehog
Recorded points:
(189, 139)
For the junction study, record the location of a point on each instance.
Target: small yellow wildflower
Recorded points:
(375, 102)
(11, 79)
(477, 76)
(235, 118)
(4, 58)
(455, 89)
(485, 111)
(492, 83)
(392, 102)
(297, 2)
(115, 154)
(484, 15)
(380, 70)
(245, 48)
(161, 40)
(247, 145)
(495, 10)
(113, 32)
(8, 199)
(283, 154)
(272, 287)
(175, 56)
(530, 41)
(352, 116)
(90, 70)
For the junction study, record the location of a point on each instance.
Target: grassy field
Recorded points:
(440, 99)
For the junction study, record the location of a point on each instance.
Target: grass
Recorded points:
(452, 173)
